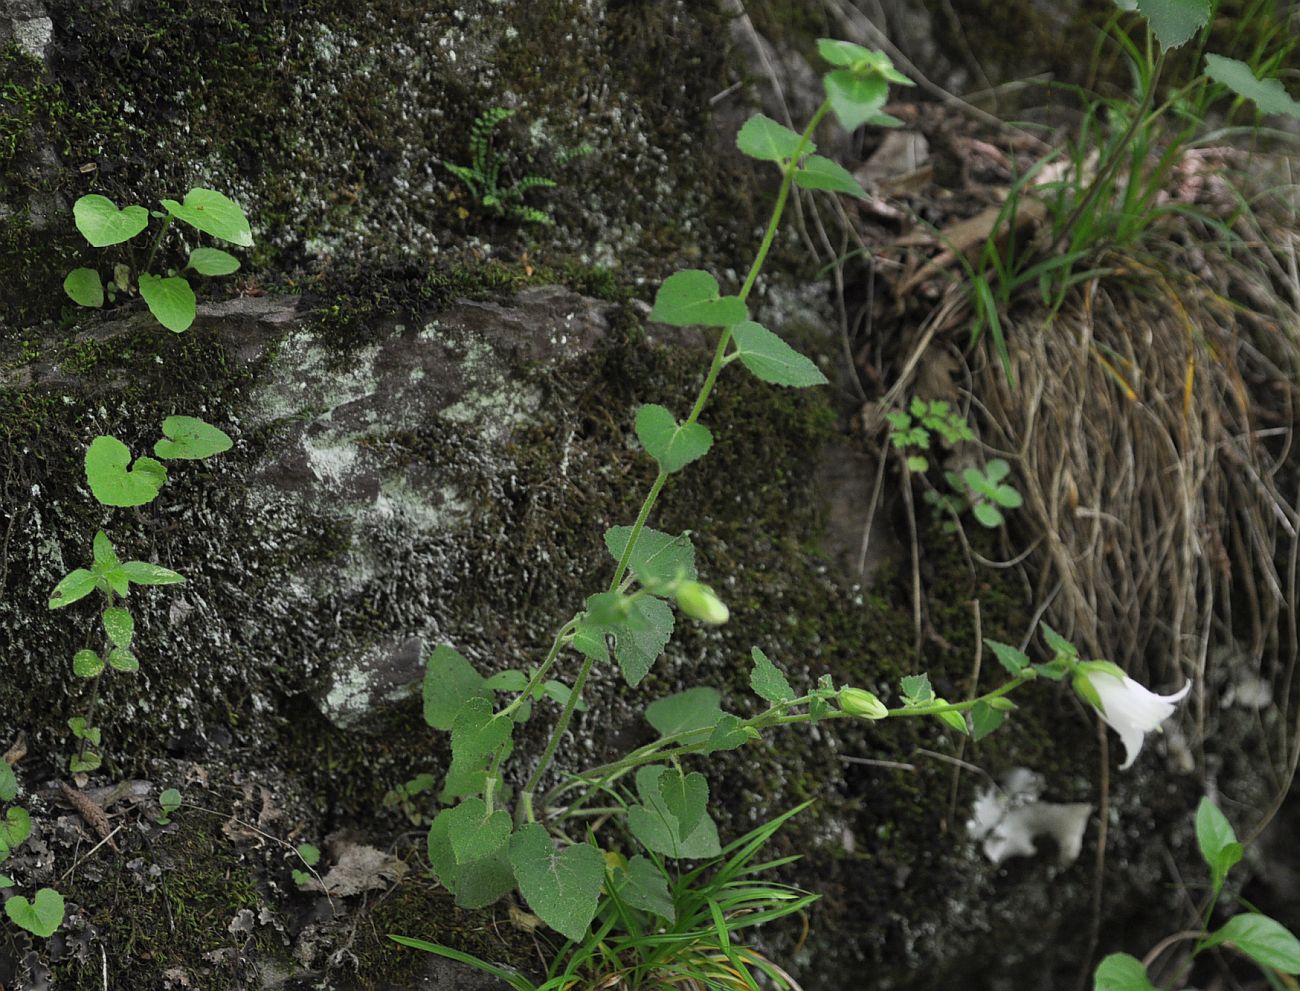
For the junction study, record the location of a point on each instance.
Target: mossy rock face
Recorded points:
(449, 481)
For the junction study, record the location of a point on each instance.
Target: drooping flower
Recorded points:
(1128, 707)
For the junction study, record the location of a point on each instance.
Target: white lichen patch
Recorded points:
(1009, 821)
(349, 696)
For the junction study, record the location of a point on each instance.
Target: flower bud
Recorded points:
(861, 703)
(700, 602)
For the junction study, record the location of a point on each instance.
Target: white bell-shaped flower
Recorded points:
(1130, 708)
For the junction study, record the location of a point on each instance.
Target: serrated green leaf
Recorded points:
(1009, 657)
(83, 731)
(84, 762)
(84, 287)
(1058, 643)
(213, 261)
(144, 573)
(189, 438)
(477, 730)
(562, 887)
(170, 300)
(643, 885)
(695, 708)
(917, 690)
(1268, 95)
(102, 223)
(1264, 940)
(113, 483)
(855, 99)
(772, 359)
(87, 664)
(119, 626)
(589, 638)
(8, 782)
(476, 833)
(821, 173)
(674, 445)
(449, 682)
(729, 734)
(658, 558)
(763, 138)
(767, 681)
(1175, 22)
(309, 852)
(75, 585)
(1121, 972)
(640, 639)
(686, 796)
(691, 298)
(658, 828)
(213, 213)
(40, 917)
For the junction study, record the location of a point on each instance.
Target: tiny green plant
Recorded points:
(169, 295)
(115, 480)
(1264, 941)
(43, 914)
(168, 802)
(309, 854)
(911, 429)
(484, 175)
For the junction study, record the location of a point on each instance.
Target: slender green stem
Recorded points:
(935, 709)
(153, 248)
(525, 811)
(561, 638)
(715, 367)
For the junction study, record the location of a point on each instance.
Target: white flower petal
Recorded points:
(1132, 710)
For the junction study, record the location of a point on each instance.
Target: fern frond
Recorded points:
(480, 137)
(468, 176)
(531, 216)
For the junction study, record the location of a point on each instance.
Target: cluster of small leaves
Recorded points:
(42, 914)
(984, 491)
(1263, 940)
(483, 175)
(309, 854)
(114, 480)
(169, 296)
(910, 430)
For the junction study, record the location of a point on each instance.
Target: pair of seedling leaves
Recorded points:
(1265, 941)
(169, 298)
(43, 914)
(115, 481)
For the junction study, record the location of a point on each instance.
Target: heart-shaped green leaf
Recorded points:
(695, 708)
(170, 300)
(15, 828)
(674, 445)
(84, 288)
(658, 827)
(763, 138)
(822, 173)
(475, 884)
(213, 261)
(112, 483)
(213, 213)
(189, 438)
(772, 359)
(477, 730)
(475, 833)
(686, 796)
(657, 557)
(76, 585)
(643, 885)
(561, 886)
(102, 223)
(40, 917)
(692, 298)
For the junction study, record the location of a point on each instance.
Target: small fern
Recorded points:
(482, 177)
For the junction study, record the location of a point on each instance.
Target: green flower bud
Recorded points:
(700, 602)
(861, 703)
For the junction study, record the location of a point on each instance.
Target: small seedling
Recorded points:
(169, 801)
(169, 296)
(309, 855)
